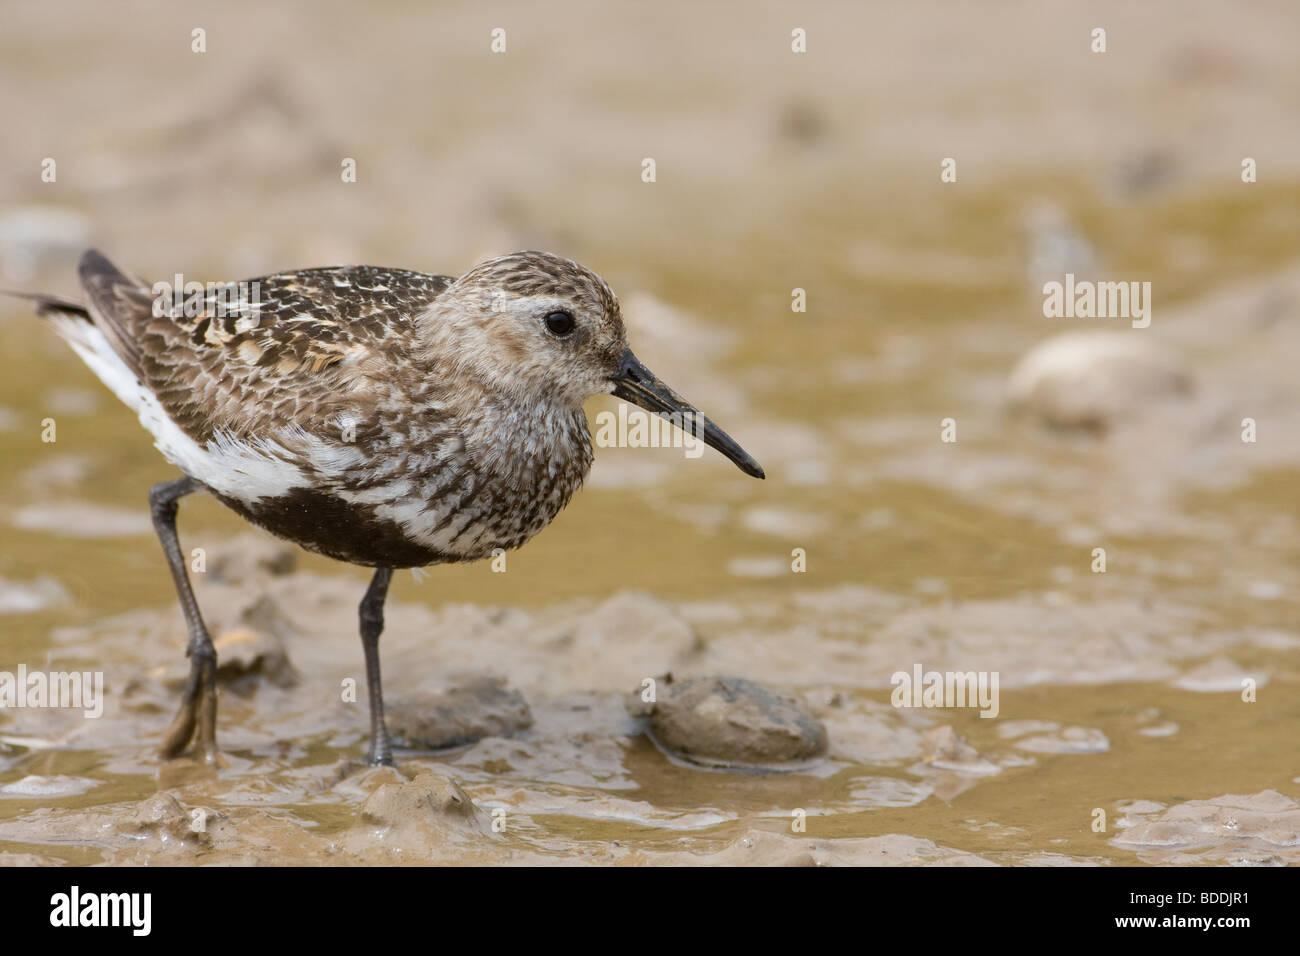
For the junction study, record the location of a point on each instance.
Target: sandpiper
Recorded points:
(382, 417)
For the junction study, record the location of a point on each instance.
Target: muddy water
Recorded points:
(1120, 692)
(974, 555)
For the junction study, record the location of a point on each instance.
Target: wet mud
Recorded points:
(1148, 697)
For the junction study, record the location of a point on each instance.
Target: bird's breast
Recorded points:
(484, 485)
(414, 490)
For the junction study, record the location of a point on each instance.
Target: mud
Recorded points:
(1160, 690)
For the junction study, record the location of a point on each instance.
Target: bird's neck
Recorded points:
(526, 443)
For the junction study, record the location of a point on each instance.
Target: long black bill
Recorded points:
(637, 384)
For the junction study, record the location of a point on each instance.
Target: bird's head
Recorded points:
(542, 328)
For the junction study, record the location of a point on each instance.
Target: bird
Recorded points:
(382, 417)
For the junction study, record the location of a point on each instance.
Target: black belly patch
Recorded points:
(336, 529)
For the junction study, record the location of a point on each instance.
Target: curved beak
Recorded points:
(637, 384)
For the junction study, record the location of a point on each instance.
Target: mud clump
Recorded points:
(250, 558)
(162, 823)
(943, 749)
(732, 723)
(427, 818)
(429, 795)
(466, 714)
(258, 647)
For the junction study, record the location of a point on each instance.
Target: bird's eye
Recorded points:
(560, 323)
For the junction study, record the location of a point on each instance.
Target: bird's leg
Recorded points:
(199, 705)
(372, 625)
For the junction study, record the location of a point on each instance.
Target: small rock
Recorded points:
(469, 712)
(1092, 380)
(732, 722)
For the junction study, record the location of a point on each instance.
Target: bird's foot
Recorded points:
(197, 718)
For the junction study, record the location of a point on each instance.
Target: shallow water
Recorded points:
(973, 555)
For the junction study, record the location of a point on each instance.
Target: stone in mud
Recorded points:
(469, 712)
(731, 722)
(1092, 380)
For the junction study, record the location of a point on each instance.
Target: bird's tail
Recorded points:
(51, 305)
(116, 304)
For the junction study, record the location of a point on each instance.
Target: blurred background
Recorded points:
(775, 171)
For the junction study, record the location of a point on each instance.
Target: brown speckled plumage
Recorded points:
(393, 447)
(382, 417)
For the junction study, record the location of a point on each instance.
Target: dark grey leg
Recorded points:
(372, 625)
(199, 705)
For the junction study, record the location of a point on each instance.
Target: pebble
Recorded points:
(733, 723)
(469, 712)
(1092, 380)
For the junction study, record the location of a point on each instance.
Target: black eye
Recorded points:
(560, 323)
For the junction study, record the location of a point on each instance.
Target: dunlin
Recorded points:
(382, 417)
